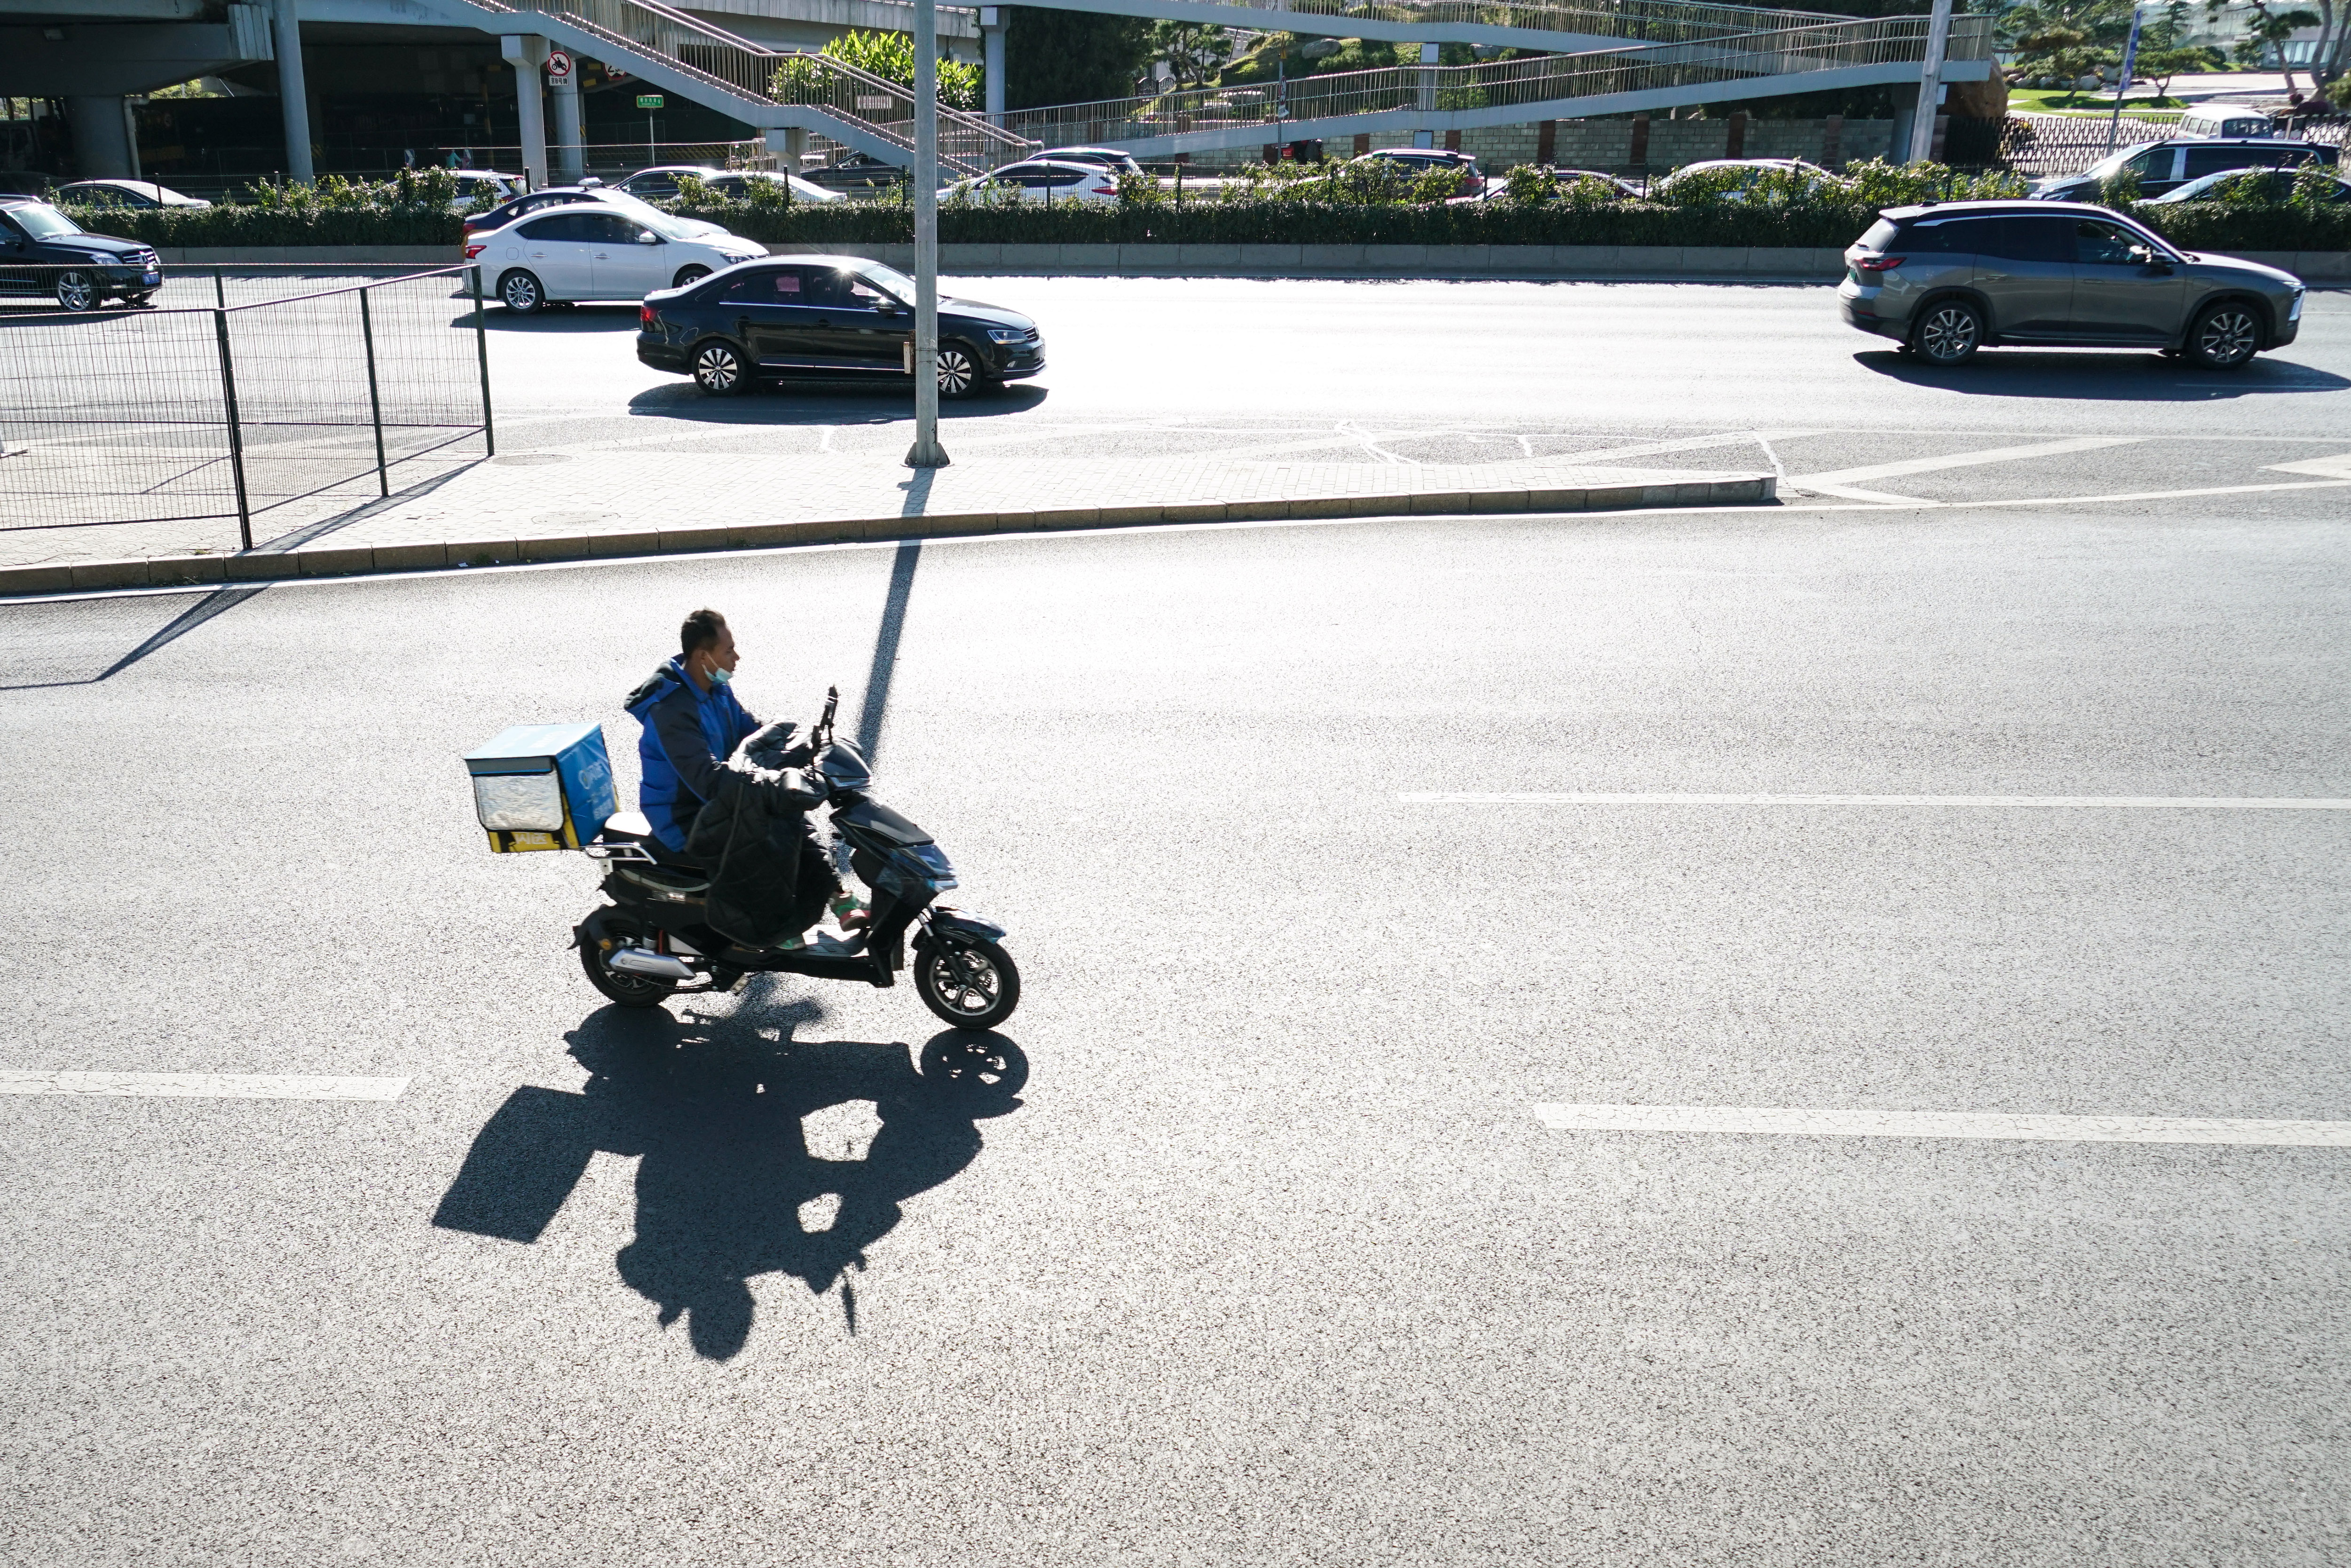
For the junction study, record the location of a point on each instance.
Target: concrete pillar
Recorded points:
(102, 137)
(293, 93)
(1428, 94)
(788, 145)
(991, 41)
(571, 134)
(526, 53)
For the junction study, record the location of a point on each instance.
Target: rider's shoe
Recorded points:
(823, 944)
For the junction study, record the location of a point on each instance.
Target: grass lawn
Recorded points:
(2059, 102)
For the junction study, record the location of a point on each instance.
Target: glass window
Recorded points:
(889, 280)
(2034, 239)
(2099, 243)
(1960, 237)
(780, 285)
(557, 228)
(1880, 235)
(2203, 160)
(43, 222)
(857, 293)
(2151, 165)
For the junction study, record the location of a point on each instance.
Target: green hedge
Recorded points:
(2201, 225)
(243, 225)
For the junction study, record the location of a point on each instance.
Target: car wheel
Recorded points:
(1948, 331)
(2225, 337)
(687, 274)
(522, 293)
(78, 290)
(960, 374)
(718, 369)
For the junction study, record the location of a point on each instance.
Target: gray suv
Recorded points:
(1946, 281)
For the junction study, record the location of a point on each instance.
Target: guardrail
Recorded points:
(1652, 21)
(969, 144)
(1543, 78)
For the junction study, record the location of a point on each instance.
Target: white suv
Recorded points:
(588, 251)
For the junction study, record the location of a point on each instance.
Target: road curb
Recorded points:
(371, 560)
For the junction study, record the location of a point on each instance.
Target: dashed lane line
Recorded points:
(1944, 1124)
(202, 1085)
(2119, 802)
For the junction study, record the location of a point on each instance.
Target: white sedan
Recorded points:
(588, 251)
(1039, 179)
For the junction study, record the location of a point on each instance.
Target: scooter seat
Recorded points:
(630, 828)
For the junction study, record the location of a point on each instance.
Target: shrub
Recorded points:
(1531, 186)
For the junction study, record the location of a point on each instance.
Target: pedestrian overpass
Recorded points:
(1654, 54)
(1609, 57)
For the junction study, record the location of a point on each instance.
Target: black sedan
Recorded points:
(856, 172)
(828, 316)
(42, 251)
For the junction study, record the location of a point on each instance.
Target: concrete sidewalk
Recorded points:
(574, 505)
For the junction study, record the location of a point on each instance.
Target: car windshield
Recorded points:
(890, 280)
(645, 213)
(43, 222)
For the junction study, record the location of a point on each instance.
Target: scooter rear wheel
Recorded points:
(972, 985)
(618, 985)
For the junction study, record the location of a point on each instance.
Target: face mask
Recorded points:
(719, 677)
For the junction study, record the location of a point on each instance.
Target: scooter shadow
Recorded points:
(747, 1141)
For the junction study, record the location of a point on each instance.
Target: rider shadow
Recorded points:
(715, 1111)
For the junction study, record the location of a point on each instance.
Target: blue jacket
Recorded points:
(688, 734)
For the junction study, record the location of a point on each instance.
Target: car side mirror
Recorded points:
(2144, 256)
(647, 236)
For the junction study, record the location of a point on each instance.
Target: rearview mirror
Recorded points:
(647, 236)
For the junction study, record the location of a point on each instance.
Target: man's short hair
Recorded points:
(701, 631)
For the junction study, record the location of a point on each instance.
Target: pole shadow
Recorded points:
(720, 1114)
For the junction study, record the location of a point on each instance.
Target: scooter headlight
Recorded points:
(936, 871)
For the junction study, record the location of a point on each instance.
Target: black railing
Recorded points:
(221, 396)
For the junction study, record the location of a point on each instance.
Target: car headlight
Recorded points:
(1007, 334)
(2295, 313)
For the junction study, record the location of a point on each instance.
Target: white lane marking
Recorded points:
(1841, 476)
(202, 1085)
(1854, 493)
(1882, 501)
(2336, 467)
(1943, 1124)
(2127, 803)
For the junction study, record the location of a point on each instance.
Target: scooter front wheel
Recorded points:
(972, 983)
(618, 985)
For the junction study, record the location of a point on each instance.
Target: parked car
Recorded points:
(832, 315)
(44, 252)
(472, 182)
(2224, 119)
(506, 213)
(2162, 166)
(588, 251)
(1497, 190)
(660, 184)
(1039, 179)
(143, 193)
(856, 172)
(1115, 159)
(1946, 281)
(2280, 181)
(1418, 161)
(1743, 172)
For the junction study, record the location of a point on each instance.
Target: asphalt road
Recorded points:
(1266, 1255)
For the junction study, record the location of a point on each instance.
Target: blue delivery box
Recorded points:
(543, 787)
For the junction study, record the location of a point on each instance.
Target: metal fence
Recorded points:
(232, 409)
(1531, 80)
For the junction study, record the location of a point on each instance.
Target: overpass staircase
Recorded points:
(1662, 54)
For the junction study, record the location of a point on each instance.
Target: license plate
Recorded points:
(150, 277)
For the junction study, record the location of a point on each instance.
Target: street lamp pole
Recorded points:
(1930, 82)
(926, 452)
